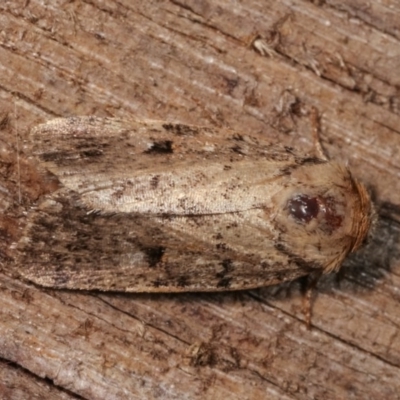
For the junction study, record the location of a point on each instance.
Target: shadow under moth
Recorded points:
(151, 206)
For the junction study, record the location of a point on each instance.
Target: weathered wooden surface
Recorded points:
(193, 61)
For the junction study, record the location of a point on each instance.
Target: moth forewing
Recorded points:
(126, 166)
(151, 207)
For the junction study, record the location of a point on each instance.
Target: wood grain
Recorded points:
(194, 62)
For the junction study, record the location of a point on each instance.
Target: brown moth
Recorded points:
(158, 207)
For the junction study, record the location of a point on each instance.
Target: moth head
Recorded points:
(325, 214)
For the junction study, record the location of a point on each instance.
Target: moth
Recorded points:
(147, 206)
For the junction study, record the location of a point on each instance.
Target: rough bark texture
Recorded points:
(200, 62)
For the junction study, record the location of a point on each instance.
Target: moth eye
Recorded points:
(303, 208)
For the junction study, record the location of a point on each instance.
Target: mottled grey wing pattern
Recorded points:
(185, 227)
(69, 248)
(156, 167)
(150, 206)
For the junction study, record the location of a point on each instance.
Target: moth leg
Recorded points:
(308, 290)
(315, 126)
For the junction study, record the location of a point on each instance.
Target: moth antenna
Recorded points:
(315, 126)
(17, 146)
